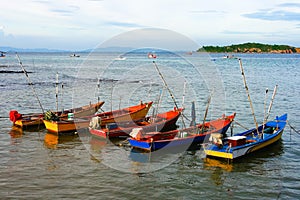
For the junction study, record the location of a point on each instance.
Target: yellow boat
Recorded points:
(126, 114)
(33, 120)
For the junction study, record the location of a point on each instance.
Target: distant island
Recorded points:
(250, 48)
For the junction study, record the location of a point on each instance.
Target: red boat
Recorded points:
(36, 119)
(162, 122)
(152, 141)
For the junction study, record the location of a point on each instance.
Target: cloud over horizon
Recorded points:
(84, 24)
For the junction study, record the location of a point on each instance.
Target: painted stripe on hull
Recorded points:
(264, 144)
(218, 154)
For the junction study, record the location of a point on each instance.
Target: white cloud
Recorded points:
(97, 20)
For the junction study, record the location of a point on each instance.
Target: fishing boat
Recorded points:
(2, 54)
(183, 138)
(120, 58)
(126, 114)
(152, 55)
(75, 55)
(249, 141)
(161, 122)
(36, 119)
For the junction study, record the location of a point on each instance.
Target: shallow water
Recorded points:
(36, 164)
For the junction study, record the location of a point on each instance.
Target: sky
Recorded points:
(85, 24)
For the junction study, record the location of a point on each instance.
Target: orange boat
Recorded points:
(36, 119)
(162, 122)
(132, 113)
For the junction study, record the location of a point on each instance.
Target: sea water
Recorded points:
(39, 165)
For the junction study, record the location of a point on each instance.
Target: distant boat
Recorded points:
(249, 141)
(74, 55)
(152, 55)
(120, 58)
(2, 54)
(229, 56)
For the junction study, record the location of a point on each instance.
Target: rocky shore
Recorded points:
(251, 48)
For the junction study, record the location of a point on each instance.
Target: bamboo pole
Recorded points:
(271, 103)
(165, 83)
(30, 82)
(56, 91)
(248, 94)
(183, 94)
(206, 111)
(170, 92)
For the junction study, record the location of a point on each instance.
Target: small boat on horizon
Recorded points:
(152, 55)
(120, 58)
(2, 54)
(75, 55)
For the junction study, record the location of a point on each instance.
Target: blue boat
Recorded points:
(247, 142)
(181, 139)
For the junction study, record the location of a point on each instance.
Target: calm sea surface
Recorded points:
(35, 164)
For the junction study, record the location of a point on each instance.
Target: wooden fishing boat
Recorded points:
(249, 141)
(162, 122)
(182, 138)
(36, 119)
(126, 114)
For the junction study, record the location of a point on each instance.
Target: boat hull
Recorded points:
(164, 122)
(253, 143)
(177, 138)
(65, 126)
(34, 120)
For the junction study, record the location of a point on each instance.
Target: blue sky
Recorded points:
(83, 24)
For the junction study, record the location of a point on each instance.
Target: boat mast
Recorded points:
(206, 111)
(62, 98)
(98, 87)
(183, 94)
(248, 94)
(30, 82)
(165, 83)
(271, 103)
(265, 102)
(166, 86)
(56, 91)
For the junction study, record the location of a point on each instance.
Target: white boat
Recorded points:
(120, 58)
(74, 55)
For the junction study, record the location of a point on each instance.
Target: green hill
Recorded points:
(250, 48)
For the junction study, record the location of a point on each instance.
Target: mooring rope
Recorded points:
(241, 125)
(293, 128)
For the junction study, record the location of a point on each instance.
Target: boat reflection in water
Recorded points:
(16, 132)
(51, 140)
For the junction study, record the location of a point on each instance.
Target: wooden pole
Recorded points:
(183, 95)
(165, 83)
(271, 103)
(62, 98)
(171, 94)
(265, 102)
(30, 83)
(56, 91)
(248, 94)
(206, 111)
